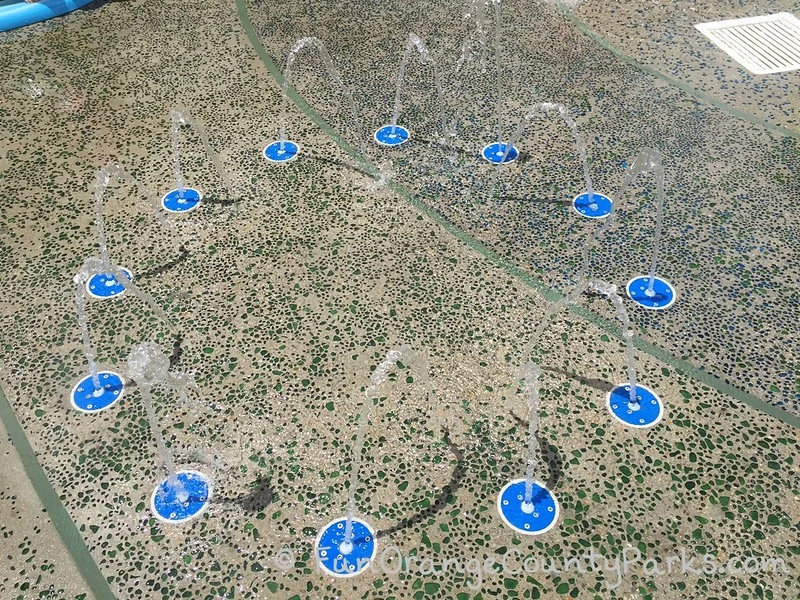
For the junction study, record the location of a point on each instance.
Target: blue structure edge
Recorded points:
(18, 13)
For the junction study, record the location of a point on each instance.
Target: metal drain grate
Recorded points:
(768, 44)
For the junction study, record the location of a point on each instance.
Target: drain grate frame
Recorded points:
(763, 45)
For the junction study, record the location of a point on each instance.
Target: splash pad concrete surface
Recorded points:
(286, 294)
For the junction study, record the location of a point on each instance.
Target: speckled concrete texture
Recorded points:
(662, 35)
(35, 561)
(728, 224)
(285, 294)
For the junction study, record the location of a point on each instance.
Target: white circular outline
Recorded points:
(280, 162)
(345, 575)
(527, 531)
(93, 295)
(181, 212)
(644, 387)
(666, 306)
(90, 410)
(508, 162)
(575, 208)
(384, 144)
(191, 517)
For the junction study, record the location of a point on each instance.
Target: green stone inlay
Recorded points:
(52, 504)
(548, 293)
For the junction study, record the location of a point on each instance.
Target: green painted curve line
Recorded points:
(72, 538)
(549, 294)
(684, 87)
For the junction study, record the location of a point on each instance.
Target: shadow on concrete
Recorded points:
(448, 492)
